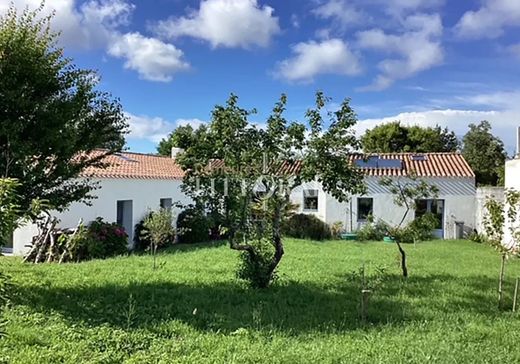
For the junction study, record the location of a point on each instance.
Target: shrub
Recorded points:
(142, 240)
(193, 226)
(477, 237)
(373, 230)
(99, 239)
(158, 229)
(303, 226)
(112, 237)
(420, 229)
(256, 272)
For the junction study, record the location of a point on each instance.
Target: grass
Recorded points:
(194, 310)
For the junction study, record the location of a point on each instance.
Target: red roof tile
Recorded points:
(423, 164)
(136, 166)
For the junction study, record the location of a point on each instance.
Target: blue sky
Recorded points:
(422, 62)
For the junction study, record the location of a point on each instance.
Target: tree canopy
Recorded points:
(396, 138)
(485, 153)
(233, 157)
(52, 116)
(181, 137)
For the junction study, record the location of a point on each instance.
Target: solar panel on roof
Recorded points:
(124, 157)
(418, 157)
(379, 163)
(370, 162)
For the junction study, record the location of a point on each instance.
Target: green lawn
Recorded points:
(193, 309)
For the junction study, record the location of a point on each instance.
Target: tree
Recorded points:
(158, 229)
(485, 153)
(501, 220)
(52, 117)
(406, 193)
(182, 137)
(396, 138)
(233, 157)
(8, 208)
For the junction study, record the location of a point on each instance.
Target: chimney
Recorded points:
(176, 152)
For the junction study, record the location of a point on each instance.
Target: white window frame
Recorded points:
(313, 193)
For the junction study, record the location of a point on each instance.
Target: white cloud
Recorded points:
(419, 48)
(155, 128)
(225, 23)
(331, 56)
(153, 59)
(502, 112)
(96, 24)
(490, 20)
(88, 26)
(398, 6)
(344, 14)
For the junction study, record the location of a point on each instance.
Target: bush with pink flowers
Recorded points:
(111, 239)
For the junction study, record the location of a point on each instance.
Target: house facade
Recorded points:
(133, 184)
(127, 189)
(454, 206)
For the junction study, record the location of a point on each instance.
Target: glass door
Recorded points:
(435, 207)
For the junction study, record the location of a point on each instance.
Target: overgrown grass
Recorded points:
(194, 310)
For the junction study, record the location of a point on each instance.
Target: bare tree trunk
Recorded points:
(403, 259)
(501, 281)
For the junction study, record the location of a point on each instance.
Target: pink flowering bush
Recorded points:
(106, 239)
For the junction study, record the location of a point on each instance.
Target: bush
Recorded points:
(257, 271)
(420, 229)
(303, 226)
(99, 239)
(373, 230)
(142, 240)
(193, 226)
(477, 237)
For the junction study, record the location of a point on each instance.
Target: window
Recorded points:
(434, 207)
(166, 203)
(310, 200)
(124, 216)
(365, 207)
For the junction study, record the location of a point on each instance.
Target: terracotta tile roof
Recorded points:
(136, 166)
(423, 164)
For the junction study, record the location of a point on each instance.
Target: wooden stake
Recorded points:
(515, 294)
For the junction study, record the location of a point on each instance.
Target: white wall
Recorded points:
(484, 194)
(144, 193)
(513, 182)
(458, 195)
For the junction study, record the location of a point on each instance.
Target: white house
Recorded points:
(133, 184)
(130, 186)
(454, 205)
(512, 181)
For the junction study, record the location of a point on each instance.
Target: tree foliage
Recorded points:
(406, 193)
(232, 157)
(396, 138)
(158, 229)
(51, 114)
(485, 153)
(182, 137)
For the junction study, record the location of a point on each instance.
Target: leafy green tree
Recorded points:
(232, 157)
(8, 208)
(396, 138)
(158, 229)
(485, 153)
(182, 137)
(500, 219)
(52, 115)
(406, 192)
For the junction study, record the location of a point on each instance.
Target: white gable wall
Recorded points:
(145, 195)
(512, 182)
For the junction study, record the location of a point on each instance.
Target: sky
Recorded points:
(424, 62)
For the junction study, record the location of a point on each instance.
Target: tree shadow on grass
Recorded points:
(290, 307)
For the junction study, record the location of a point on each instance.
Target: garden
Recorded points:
(193, 309)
